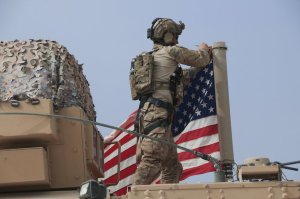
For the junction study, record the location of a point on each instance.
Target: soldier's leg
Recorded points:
(150, 166)
(154, 152)
(171, 167)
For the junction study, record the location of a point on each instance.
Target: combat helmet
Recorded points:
(165, 31)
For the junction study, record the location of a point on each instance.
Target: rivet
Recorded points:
(161, 192)
(146, 193)
(284, 196)
(270, 189)
(271, 196)
(283, 189)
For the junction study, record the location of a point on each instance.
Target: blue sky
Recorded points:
(263, 39)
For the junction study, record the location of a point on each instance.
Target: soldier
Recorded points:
(157, 108)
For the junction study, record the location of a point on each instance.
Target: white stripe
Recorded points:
(122, 183)
(124, 147)
(200, 142)
(122, 134)
(191, 163)
(197, 124)
(124, 164)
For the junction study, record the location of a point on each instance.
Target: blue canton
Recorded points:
(199, 100)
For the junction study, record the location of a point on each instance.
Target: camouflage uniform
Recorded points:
(159, 158)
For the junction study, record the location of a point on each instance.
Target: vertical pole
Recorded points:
(223, 111)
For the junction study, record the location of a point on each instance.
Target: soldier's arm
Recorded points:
(194, 58)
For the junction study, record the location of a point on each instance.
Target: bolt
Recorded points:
(161, 192)
(270, 189)
(146, 193)
(284, 196)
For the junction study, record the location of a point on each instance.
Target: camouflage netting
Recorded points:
(42, 69)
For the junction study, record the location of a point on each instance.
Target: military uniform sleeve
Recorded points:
(189, 74)
(194, 58)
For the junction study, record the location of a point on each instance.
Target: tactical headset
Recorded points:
(168, 37)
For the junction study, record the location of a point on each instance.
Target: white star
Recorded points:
(198, 113)
(189, 104)
(211, 73)
(204, 105)
(176, 129)
(193, 96)
(201, 79)
(210, 97)
(207, 81)
(197, 87)
(180, 121)
(206, 70)
(211, 109)
(184, 112)
(199, 99)
(203, 90)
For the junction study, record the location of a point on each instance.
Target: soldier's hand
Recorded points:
(206, 47)
(203, 46)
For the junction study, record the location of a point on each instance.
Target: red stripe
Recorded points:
(124, 155)
(129, 122)
(198, 133)
(204, 168)
(123, 174)
(122, 191)
(123, 141)
(204, 149)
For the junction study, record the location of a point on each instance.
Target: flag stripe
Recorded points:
(124, 155)
(208, 149)
(123, 174)
(127, 142)
(129, 161)
(198, 123)
(120, 136)
(198, 133)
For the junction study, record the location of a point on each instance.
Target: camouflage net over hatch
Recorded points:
(45, 70)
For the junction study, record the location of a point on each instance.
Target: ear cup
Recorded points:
(168, 38)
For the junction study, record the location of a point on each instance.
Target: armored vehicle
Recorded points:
(50, 146)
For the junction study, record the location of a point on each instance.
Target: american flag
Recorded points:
(195, 126)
